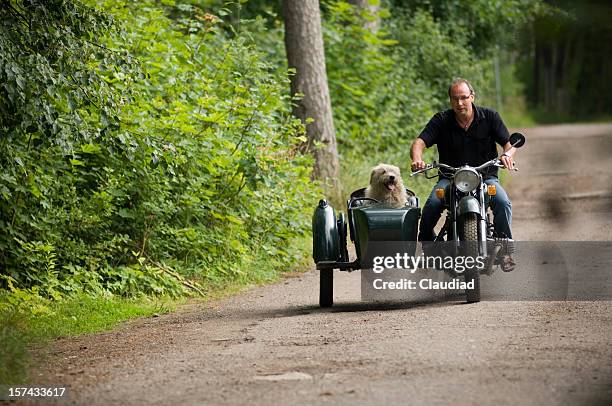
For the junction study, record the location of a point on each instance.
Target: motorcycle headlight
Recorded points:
(467, 180)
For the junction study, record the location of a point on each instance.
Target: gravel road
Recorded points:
(274, 345)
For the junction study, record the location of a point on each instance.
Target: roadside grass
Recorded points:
(515, 120)
(35, 325)
(29, 323)
(518, 115)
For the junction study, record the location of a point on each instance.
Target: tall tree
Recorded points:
(373, 7)
(305, 54)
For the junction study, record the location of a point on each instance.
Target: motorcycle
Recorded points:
(467, 225)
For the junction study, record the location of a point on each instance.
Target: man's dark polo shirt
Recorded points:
(473, 147)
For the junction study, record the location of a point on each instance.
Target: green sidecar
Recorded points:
(366, 220)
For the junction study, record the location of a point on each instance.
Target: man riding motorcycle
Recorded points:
(466, 134)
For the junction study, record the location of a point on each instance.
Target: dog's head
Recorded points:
(387, 176)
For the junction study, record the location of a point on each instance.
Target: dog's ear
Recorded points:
(375, 171)
(372, 174)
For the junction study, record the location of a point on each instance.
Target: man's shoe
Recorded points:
(507, 263)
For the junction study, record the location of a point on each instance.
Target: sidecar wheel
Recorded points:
(326, 288)
(470, 239)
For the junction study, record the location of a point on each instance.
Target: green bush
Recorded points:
(142, 138)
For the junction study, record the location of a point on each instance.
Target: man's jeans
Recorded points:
(500, 204)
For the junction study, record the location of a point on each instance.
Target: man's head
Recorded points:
(461, 94)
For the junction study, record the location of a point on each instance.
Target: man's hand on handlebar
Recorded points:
(507, 161)
(418, 165)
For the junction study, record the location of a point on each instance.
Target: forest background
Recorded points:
(148, 148)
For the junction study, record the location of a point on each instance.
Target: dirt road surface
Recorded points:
(274, 345)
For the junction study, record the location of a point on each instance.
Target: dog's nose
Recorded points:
(391, 178)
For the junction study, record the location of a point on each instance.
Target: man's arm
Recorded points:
(427, 138)
(502, 135)
(416, 154)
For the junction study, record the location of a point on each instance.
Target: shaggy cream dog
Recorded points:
(386, 186)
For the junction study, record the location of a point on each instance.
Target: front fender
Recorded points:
(325, 235)
(468, 204)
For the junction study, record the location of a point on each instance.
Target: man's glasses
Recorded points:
(457, 99)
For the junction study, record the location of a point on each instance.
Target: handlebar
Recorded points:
(493, 162)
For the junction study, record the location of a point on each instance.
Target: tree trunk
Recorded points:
(373, 8)
(537, 73)
(305, 53)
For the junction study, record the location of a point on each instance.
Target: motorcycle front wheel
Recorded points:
(470, 249)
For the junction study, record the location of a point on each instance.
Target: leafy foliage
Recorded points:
(141, 139)
(386, 84)
(362, 77)
(478, 25)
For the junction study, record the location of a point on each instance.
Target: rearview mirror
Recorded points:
(517, 140)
